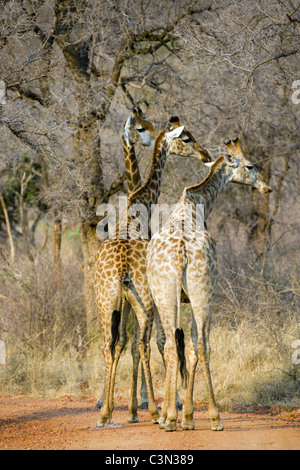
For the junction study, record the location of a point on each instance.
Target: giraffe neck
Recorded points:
(204, 194)
(207, 194)
(132, 168)
(136, 218)
(149, 192)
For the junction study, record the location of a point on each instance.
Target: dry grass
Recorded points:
(254, 325)
(245, 370)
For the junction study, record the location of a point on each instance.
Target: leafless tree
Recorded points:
(73, 68)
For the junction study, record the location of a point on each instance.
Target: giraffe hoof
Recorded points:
(170, 427)
(161, 424)
(217, 425)
(103, 422)
(144, 405)
(188, 426)
(100, 424)
(155, 420)
(133, 419)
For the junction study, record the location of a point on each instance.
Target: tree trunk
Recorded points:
(57, 233)
(87, 152)
(86, 142)
(90, 244)
(23, 216)
(278, 193)
(261, 214)
(10, 239)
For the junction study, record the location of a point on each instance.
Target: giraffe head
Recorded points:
(243, 171)
(184, 144)
(138, 130)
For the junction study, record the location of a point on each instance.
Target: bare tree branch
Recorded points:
(10, 239)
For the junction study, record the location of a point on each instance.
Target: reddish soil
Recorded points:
(69, 423)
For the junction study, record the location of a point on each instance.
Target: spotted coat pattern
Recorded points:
(183, 254)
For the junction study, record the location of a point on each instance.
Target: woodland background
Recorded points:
(71, 71)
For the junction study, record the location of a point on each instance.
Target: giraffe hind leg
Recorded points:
(112, 351)
(122, 338)
(116, 319)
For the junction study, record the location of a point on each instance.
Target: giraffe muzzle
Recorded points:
(265, 188)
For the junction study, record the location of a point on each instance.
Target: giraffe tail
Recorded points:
(115, 334)
(179, 339)
(116, 320)
(179, 334)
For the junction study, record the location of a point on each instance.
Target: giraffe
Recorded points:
(121, 263)
(137, 129)
(183, 253)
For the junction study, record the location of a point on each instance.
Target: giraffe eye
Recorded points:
(141, 129)
(250, 167)
(186, 140)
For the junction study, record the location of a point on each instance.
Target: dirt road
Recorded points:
(69, 423)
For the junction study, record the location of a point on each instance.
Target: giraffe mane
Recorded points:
(198, 186)
(154, 159)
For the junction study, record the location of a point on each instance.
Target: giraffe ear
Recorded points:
(128, 127)
(130, 122)
(209, 164)
(232, 161)
(174, 133)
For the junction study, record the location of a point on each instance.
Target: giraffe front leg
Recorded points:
(99, 402)
(144, 348)
(161, 341)
(165, 405)
(142, 304)
(133, 405)
(203, 353)
(201, 301)
(143, 391)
